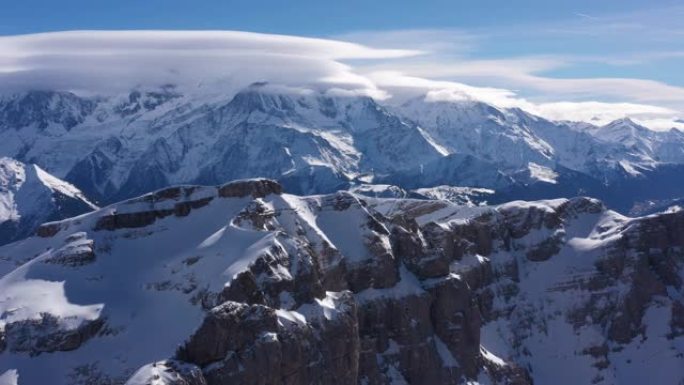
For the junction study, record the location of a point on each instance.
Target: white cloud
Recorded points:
(404, 87)
(633, 89)
(522, 73)
(112, 42)
(100, 61)
(661, 124)
(541, 81)
(586, 67)
(450, 41)
(603, 113)
(390, 65)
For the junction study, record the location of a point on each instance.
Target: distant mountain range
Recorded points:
(117, 147)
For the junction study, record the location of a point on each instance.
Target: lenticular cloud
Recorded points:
(106, 61)
(222, 62)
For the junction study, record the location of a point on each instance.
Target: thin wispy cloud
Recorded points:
(585, 16)
(429, 41)
(607, 65)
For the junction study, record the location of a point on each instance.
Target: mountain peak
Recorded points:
(29, 196)
(622, 129)
(625, 122)
(308, 108)
(265, 98)
(43, 108)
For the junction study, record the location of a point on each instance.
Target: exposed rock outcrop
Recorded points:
(253, 344)
(46, 334)
(423, 292)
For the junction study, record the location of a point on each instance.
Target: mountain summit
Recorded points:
(30, 196)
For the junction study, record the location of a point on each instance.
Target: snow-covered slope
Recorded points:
(30, 196)
(651, 145)
(466, 196)
(454, 170)
(589, 297)
(243, 283)
(152, 138)
(511, 139)
(475, 128)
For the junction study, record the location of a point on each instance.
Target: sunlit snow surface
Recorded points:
(140, 276)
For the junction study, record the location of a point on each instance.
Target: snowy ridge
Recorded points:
(651, 145)
(467, 196)
(30, 196)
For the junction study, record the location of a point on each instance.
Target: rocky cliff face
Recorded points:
(246, 284)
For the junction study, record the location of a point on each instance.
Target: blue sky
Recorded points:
(303, 17)
(610, 51)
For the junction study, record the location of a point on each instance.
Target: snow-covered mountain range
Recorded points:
(117, 147)
(244, 283)
(215, 207)
(395, 257)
